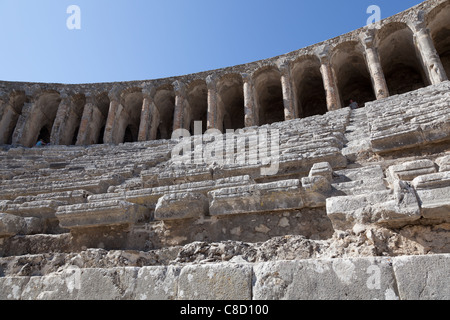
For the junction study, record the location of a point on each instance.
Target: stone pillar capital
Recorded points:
(149, 91)
(115, 93)
(179, 88)
(368, 39)
(284, 68)
(323, 53)
(246, 78)
(211, 82)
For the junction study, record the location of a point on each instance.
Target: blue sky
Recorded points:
(125, 40)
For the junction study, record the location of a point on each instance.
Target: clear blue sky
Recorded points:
(124, 40)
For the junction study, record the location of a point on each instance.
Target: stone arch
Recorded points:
(269, 95)
(38, 114)
(130, 115)
(400, 60)
(352, 75)
(10, 109)
(309, 92)
(197, 105)
(164, 100)
(438, 22)
(230, 102)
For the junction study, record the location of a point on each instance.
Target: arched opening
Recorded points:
(230, 102)
(42, 114)
(439, 25)
(165, 103)
(128, 137)
(101, 135)
(353, 77)
(309, 92)
(74, 139)
(44, 134)
(130, 117)
(399, 59)
(197, 109)
(269, 95)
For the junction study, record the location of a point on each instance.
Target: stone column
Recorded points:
(24, 131)
(329, 79)
(8, 118)
(59, 125)
(147, 130)
(286, 84)
(251, 117)
(180, 106)
(430, 58)
(113, 113)
(374, 65)
(212, 104)
(86, 119)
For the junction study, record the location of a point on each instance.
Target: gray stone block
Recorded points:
(331, 279)
(216, 282)
(423, 277)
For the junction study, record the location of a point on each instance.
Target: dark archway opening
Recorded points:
(44, 134)
(309, 92)
(269, 95)
(129, 136)
(400, 60)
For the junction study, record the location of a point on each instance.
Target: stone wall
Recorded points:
(368, 64)
(330, 204)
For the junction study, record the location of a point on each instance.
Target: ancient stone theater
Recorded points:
(320, 174)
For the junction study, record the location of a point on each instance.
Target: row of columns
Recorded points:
(150, 115)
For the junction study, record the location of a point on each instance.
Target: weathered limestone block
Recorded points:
(176, 206)
(184, 175)
(358, 181)
(99, 185)
(150, 196)
(215, 282)
(44, 209)
(393, 207)
(443, 163)
(409, 170)
(423, 277)
(106, 284)
(67, 197)
(315, 191)
(108, 213)
(433, 191)
(280, 195)
(323, 169)
(11, 287)
(328, 279)
(411, 119)
(157, 283)
(10, 225)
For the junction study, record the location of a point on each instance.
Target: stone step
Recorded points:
(100, 214)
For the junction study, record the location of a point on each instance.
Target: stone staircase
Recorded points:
(357, 135)
(140, 197)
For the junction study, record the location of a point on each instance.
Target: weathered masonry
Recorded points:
(357, 208)
(405, 52)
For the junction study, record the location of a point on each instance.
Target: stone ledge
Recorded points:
(108, 213)
(384, 278)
